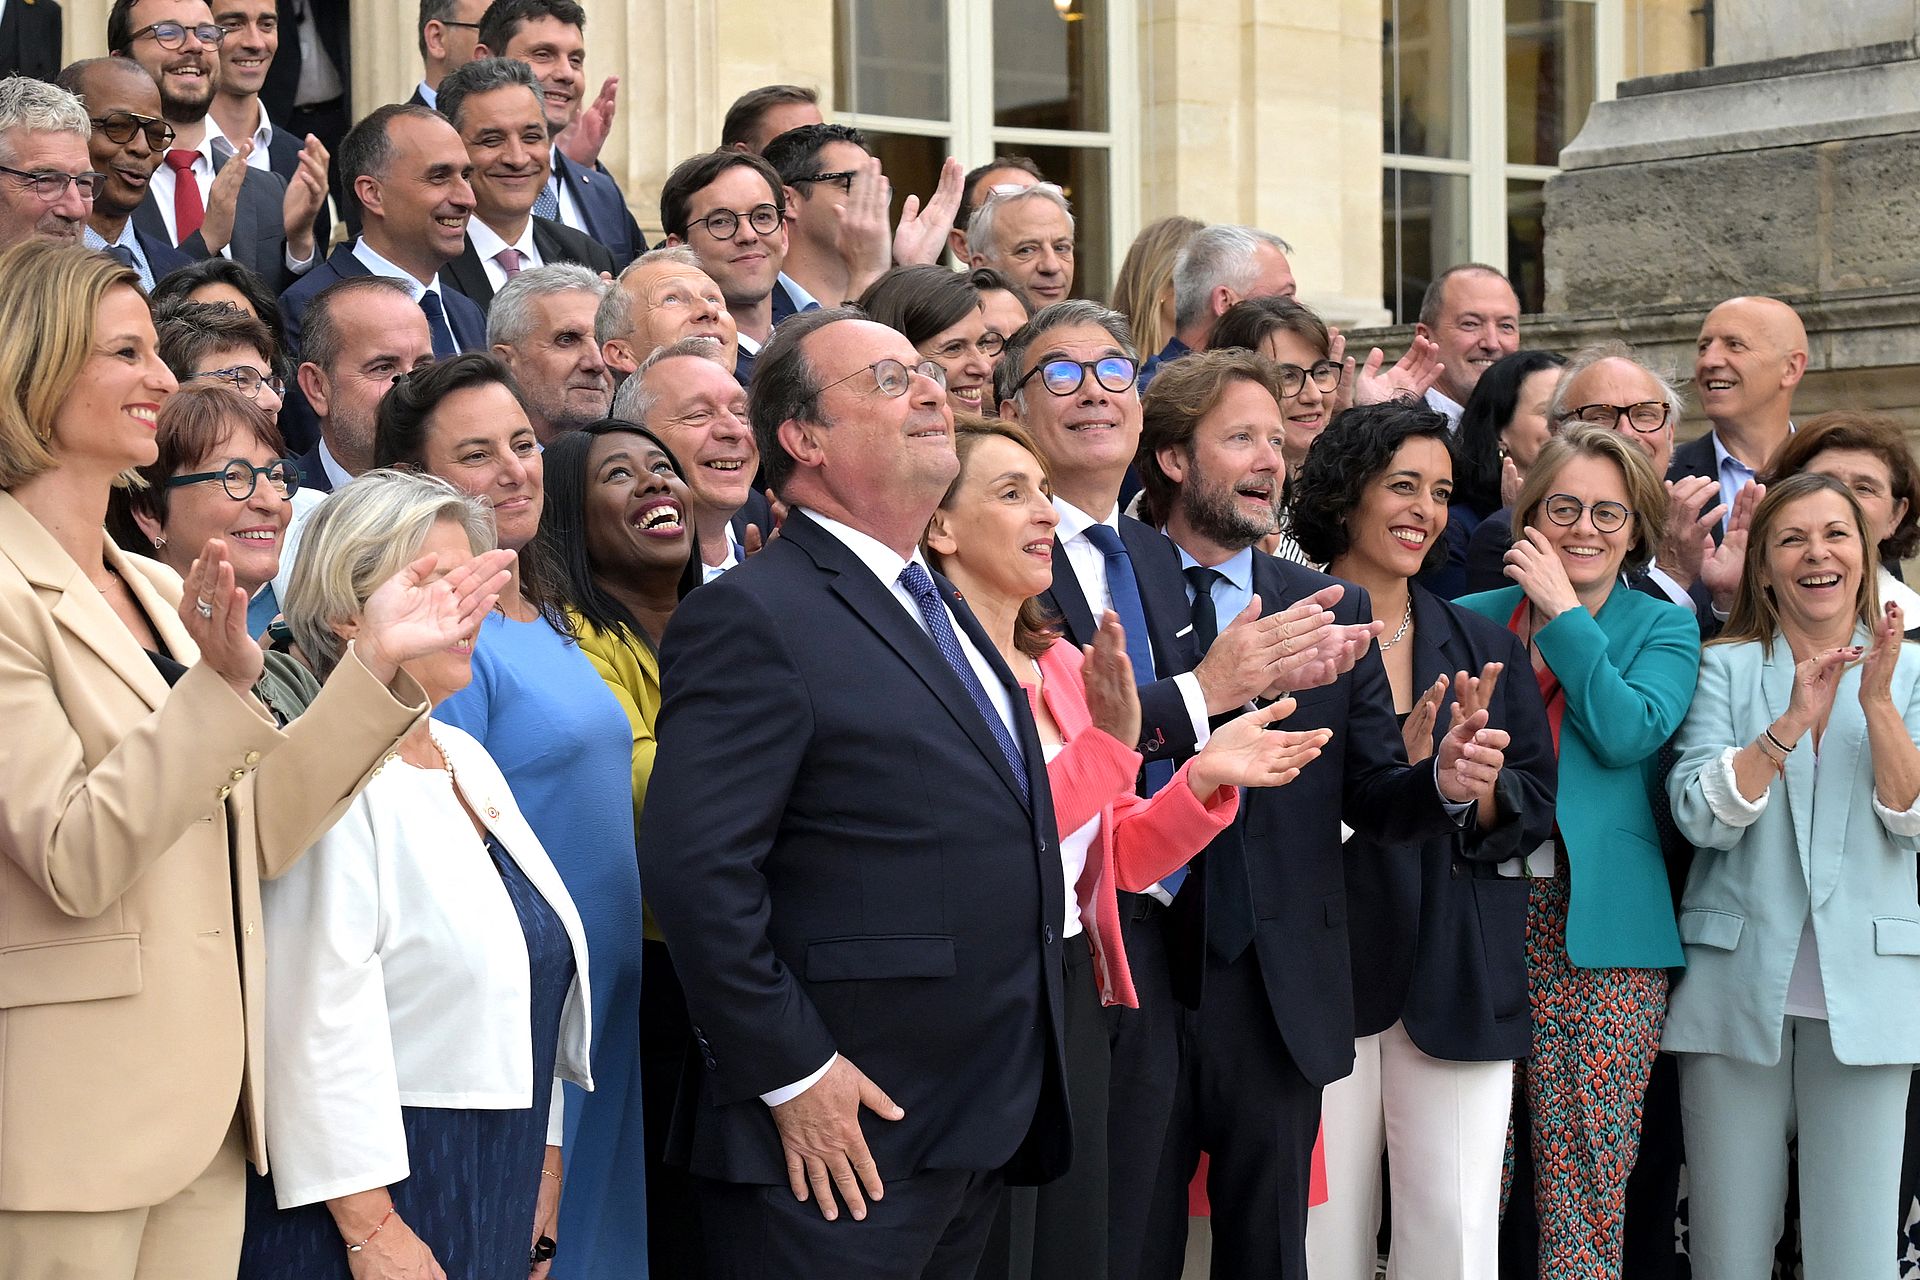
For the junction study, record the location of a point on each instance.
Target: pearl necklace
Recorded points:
(1406, 621)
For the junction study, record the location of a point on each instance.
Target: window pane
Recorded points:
(893, 57)
(1082, 174)
(1550, 76)
(1426, 232)
(1050, 69)
(1424, 77)
(1526, 243)
(912, 165)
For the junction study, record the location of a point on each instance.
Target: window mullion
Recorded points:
(1487, 131)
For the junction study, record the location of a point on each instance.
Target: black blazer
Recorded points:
(283, 157)
(604, 207)
(1696, 458)
(30, 34)
(1166, 730)
(313, 475)
(556, 241)
(259, 231)
(1436, 936)
(754, 511)
(331, 23)
(846, 865)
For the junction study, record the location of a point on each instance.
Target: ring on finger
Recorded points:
(201, 607)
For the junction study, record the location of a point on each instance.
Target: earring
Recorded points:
(159, 541)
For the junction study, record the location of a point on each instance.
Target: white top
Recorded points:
(163, 183)
(487, 243)
(1892, 589)
(1074, 851)
(319, 79)
(1440, 402)
(258, 158)
(397, 976)
(569, 210)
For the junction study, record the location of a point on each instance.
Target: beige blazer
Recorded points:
(136, 823)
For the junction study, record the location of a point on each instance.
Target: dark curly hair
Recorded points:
(1495, 399)
(1355, 448)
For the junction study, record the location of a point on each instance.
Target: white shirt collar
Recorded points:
(1439, 401)
(487, 243)
(1074, 521)
(882, 560)
(801, 298)
(218, 142)
(338, 476)
(429, 95)
(370, 259)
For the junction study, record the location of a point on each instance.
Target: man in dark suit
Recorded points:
(1751, 354)
(309, 83)
(1270, 970)
(447, 33)
(869, 914)
(247, 55)
(123, 102)
(362, 333)
(494, 104)
(549, 36)
(30, 39)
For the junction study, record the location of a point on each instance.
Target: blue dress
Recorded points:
(474, 1175)
(566, 748)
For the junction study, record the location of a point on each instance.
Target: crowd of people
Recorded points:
(813, 749)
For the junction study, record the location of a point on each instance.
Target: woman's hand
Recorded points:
(1245, 753)
(546, 1211)
(1112, 697)
(410, 615)
(214, 611)
(395, 1254)
(1533, 563)
(1510, 481)
(1876, 673)
(1417, 732)
(1814, 683)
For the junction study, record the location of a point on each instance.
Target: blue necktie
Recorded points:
(1125, 590)
(442, 334)
(919, 585)
(547, 204)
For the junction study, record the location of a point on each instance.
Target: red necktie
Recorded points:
(188, 212)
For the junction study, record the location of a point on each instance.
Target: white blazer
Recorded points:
(397, 976)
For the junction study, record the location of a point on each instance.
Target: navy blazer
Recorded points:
(30, 35)
(1696, 458)
(313, 474)
(556, 241)
(604, 208)
(259, 234)
(848, 866)
(1436, 935)
(283, 157)
(162, 258)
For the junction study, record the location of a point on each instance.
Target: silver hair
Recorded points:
(633, 402)
(1614, 349)
(34, 106)
(1222, 254)
(1072, 313)
(614, 319)
(510, 319)
(483, 75)
(980, 226)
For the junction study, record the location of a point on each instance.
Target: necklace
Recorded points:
(1406, 620)
(113, 576)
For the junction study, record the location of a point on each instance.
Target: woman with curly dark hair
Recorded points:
(1437, 932)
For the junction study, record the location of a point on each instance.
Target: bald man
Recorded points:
(1751, 354)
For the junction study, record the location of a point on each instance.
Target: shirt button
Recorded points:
(1046, 934)
(237, 774)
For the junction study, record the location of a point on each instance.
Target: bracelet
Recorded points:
(1785, 750)
(1775, 763)
(356, 1248)
(548, 1173)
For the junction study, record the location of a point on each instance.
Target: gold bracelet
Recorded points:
(548, 1173)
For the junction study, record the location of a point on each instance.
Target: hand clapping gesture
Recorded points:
(1417, 732)
(1876, 673)
(860, 233)
(1112, 697)
(1816, 680)
(1470, 759)
(214, 611)
(1723, 565)
(1244, 752)
(1689, 538)
(1410, 377)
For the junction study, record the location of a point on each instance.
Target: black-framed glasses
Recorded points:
(989, 344)
(1325, 375)
(248, 380)
(240, 477)
(1644, 416)
(721, 224)
(892, 378)
(120, 126)
(1565, 510)
(449, 22)
(51, 184)
(173, 35)
(1063, 377)
(842, 178)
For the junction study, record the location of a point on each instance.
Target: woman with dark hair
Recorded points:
(1005, 304)
(223, 280)
(539, 708)
(941, 315)
(1437, 933)
(1505, 420)
(1868, 453)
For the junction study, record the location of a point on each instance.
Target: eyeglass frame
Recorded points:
(993, 336)
(141, 124)
(841, 177)
(291, 468)
(91, 178)
(1621, 411)
(930, 369)
(232, 377)
(1588, 509)
(1085, 367)
(738, 218)
(199, 30)
(1307, 372)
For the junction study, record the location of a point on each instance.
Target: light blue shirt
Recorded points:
(94, 240)
(1734, 474)
(1235, 593)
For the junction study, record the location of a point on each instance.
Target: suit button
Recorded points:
(249, 928)
(1458, 870)
(237, 774)
(1043, 846)
(1046, 934)
(224, 792)
(253, 758)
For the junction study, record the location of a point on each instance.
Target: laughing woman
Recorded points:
(945, 319)
(1799, 782)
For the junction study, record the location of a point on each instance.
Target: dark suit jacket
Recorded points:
(30, 39)
(1166, 730)
(414, 99)
(283, 77)
(604, 207)
(313, 475)
(162, 257)
(283, 156)
(847, 866)
(1696, 458)
(259, 234)
(756, 512)
(1436, 936)
(556, 242)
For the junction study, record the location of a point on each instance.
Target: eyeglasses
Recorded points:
(989, 345)
(449, 22)
(1325, 375)
(1565, 510)
(248, 380)
(173, 35)
(51, 184)
(892, 378)
(721, 224)
(1064, 377)
(842, 179)
(240, 477)
(120, 126)
(1645, 416)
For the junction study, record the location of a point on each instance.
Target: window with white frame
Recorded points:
(1478, 98)
(1046, 79)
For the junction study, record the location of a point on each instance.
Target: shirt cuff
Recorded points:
(1901, 822)
(1189, 686)
(557, 1114)
(1722, 792)
(300, 266)
(1457, 810)
(798, 1087)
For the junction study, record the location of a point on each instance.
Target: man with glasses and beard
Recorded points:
(128, 140)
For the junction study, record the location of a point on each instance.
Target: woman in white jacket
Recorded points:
(426, 975)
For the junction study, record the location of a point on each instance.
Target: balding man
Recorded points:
(663, 297)
(1751, 354)
(1473, 315)
(1217, 267)
(43, 134)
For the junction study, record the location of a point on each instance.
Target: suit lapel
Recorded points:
(1271, 585)
(1068, 598)
(547, 241)
(1438, 649)
(147, 220)
(1163, 596)
(468, 275)
(1833, 783)
(1776, 686)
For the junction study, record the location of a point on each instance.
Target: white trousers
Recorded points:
(1443, 1126)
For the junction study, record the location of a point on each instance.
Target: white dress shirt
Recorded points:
(258, 158)
(569, 210)
(397, 976)
(370, 259)
(1442, 403)
(487, 243)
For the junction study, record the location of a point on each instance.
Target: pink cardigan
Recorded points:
(1140, 840)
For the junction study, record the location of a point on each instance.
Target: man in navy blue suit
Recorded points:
(128, 136)
(549, 36)
(866, 917)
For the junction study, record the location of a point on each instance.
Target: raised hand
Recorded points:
(306, 192)
(214, 611)
(860, 229)
(922, 233)
(1470, 759)
(582, 140)
(411, 614)
(223, 199)
(1876, 673)
(754, 540)
(1112, 697)
(1815, 681)
(1417, 732)
(1510, 481)
(1689, 538)
(1533, 563)
(820, 1132)
(1722, 568)
(1409, 378)
(1475, 693)
(1244, 752)
(1248, 654)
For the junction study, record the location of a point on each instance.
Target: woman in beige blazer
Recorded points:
(143, 794)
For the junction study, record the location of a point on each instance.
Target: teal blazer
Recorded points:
(1628, 672)
(1821, 845)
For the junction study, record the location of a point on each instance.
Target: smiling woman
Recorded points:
(944, 317)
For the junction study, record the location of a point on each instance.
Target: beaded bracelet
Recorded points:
(356, 1248)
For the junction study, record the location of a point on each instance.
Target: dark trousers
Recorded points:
(1242, 1100)
(1060, 1228)
(931, 1226)
(666, 1082)
(1145, 1048)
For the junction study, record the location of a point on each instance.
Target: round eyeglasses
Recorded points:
(172, 35)
(248, 380)
(1063, 377)
(892, 378)
(989, 345)
(722, 224)
(1565, 510)
(1644, 416)
(1324, 373)
(120, 126)
(240, 477)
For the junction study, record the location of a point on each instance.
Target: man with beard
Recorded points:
(541, 324)
(254, 217)
(247, 54)
(127, 141)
